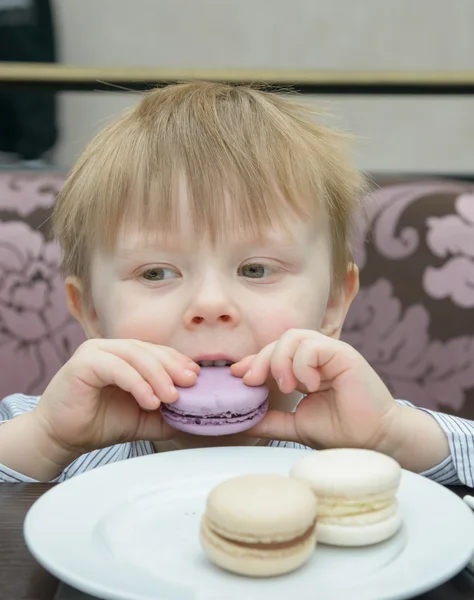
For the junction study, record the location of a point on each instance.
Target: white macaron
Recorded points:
(356, 493)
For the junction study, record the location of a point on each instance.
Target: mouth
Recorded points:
(214, 361)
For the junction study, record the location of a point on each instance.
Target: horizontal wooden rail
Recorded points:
(71, 77)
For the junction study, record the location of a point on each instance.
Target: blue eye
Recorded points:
(159, 274)
(256, 271)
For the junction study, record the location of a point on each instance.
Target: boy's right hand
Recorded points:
(108, 393)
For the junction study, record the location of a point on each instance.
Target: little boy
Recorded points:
(213, 222)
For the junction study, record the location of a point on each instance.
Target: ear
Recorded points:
(81, 308)
(339, 303)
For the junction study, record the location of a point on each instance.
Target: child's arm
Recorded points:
(18, 450)
(347, 405)
(458, 467)
(26, 449)
(108, 393)
(415, 439)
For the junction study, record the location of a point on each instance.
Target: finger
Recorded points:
(241, 367)
(109, 369)
(323, 387)
(306, 363)
(180, 376)
(150, 368)
(260, 366)
(160, 368)
(276, 425)
(282, 359)
(332, 358)
(186, 361)
(153, 427)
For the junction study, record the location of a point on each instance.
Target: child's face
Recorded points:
(231, 300)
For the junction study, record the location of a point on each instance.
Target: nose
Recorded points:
(212, 306)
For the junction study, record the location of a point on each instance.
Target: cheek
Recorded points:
(139, 329)
(127, 311)
(270, 325)
(301, 307)
(128, 317)
(272, 329)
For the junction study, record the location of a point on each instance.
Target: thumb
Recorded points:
(239, 369)
(153, 427)
(276, 425)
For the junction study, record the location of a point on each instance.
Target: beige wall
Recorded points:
(396, 133)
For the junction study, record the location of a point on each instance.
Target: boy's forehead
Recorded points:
(133, 238)
(229, 222)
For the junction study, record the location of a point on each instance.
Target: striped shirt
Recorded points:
(456, 469)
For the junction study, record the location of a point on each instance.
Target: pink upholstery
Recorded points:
(37, 335)
(413, 319)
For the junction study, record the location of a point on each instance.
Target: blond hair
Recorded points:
(262, 150)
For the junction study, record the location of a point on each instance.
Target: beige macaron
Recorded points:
(259, 525)
(356, 492)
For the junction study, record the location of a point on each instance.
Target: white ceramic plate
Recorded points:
(129, 531)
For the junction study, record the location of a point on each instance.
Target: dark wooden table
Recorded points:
(21, 577)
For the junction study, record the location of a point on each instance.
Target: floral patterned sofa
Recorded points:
(413, 319)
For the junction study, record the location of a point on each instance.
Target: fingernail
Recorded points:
(249, 372)
(192, 365)
(156, 400)
(173, 392)
(280, 382)
(189, 373)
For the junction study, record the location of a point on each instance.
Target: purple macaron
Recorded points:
(217, 404)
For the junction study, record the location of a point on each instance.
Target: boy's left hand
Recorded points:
(346, 402)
